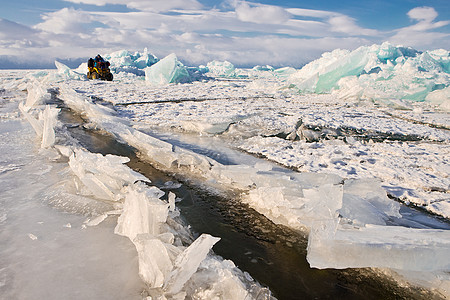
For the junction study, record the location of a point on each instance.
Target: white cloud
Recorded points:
(246, 33)
(427, 14)
(311, 13)
(420, 35)
(257, 13)
(165, 5)
(147, 5)
(65, 21)
(345, 24)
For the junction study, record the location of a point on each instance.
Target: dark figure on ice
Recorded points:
(99, 69)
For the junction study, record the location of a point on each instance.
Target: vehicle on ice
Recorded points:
(99, 69)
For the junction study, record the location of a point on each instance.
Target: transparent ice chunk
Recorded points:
(167, 70)
(187, 263)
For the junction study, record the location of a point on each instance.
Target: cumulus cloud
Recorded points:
(421, 34)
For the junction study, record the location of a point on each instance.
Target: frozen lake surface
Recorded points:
(319, 166)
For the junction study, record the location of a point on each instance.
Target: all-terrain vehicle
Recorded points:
(99, 69)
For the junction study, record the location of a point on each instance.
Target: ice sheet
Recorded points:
(404, 161)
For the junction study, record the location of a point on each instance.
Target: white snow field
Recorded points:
(338, 146)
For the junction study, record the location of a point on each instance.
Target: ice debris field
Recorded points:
(344, 143)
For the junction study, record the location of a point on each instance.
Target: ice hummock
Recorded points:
(167, 70)
(378, 73)
(125, 61)
(221, 68)
(386, 74)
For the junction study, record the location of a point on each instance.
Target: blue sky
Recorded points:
(279, 33)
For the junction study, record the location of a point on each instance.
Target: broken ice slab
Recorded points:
(103, 176)
(143, 212)
(167, 70)
(335, 246)
(50, 117)
(64, 73)
(366, 202)
(38, 125)
(222, 281)
(295, 207)
(155, 262)
(37, 94)
(188, 262)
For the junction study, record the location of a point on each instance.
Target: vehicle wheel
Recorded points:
(94, 75)
(109, 77)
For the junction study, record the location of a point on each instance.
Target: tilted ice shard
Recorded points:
(50, 119)
(38, 125)
(167, 70)
(187, 263)
(155, 263)
(64, 73)
(37, 94)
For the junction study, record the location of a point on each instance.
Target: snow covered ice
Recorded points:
(356, 128)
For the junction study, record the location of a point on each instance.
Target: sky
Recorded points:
(246, 33)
